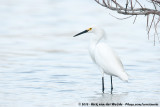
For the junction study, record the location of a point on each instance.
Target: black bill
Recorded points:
(81, 33)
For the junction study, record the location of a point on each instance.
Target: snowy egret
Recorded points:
(103, 55)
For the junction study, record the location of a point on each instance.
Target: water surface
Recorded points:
(41, 64)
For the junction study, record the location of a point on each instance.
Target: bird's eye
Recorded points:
(90, 29)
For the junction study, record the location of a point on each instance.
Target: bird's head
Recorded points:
(98, 33)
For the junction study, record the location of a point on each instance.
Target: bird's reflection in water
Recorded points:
(110, 98)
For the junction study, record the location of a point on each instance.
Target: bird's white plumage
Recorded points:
(104, 56)
(110, 63)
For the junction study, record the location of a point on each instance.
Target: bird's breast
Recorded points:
(91, 49)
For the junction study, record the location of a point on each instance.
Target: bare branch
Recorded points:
(135, 8)
(122, 10)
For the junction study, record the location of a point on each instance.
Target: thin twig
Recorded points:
(135, 19)
(120, 18)
(151, 25)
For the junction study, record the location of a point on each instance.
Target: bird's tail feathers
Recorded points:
(124, 76)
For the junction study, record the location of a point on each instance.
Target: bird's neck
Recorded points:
(93, 42)
(96, 38)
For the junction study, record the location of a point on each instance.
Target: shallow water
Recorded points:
(41, 64)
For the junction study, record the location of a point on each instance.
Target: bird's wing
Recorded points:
(107, 59)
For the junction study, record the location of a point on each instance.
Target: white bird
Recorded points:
(104, 56)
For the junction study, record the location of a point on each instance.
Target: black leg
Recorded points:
(111, 85)
(103, 84)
